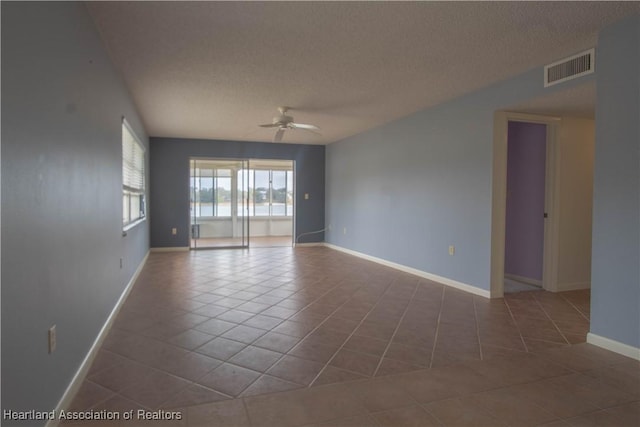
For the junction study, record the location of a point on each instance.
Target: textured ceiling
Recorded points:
(216, 70)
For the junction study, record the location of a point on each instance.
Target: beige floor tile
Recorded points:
(221, 348)
(269, 384)
(361, 363)
(556, 398)
(508, 408)
(229, 379)
(118, 404)
(331, 375)
(122, 376)
(225, 413)
(310, 350)
(192, 366)
(628, 414)
(295, 369)
(90, 395)
(463, 379)
(423, 386)
(194, 395)
(357, 421)
(380, 394)
(418, 356)
(256, 358)
(276, 342)
(316, 306)
(452, 412)
(410, 416)
(600, 418)
(391, 367)
(155, 389)
(306, 406)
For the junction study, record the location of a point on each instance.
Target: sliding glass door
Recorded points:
(229, 197)
(219, 203)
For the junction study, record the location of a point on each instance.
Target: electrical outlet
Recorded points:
(344, 230)
(306, 196)
(52, 339)
(452, 250)
(174, 231)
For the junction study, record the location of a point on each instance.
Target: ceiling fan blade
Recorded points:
(278, 136)
(303, 126)
(270, 125)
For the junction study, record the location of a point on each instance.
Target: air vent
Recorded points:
(569, 68)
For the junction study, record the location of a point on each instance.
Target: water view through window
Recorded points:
(269, 192)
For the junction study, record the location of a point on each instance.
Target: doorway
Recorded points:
(241, 203)
(525, 206)
(541, 260)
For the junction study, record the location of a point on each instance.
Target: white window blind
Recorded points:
(132, 161)
(133, 183)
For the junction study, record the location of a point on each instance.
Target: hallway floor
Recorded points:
(284, 336)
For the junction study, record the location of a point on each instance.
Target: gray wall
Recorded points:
(62, 104)
(409, 189)
(615, 272)
(169, 202)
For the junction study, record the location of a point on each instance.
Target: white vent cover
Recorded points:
(569, 68)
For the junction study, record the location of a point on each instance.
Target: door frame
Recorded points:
(499, 199)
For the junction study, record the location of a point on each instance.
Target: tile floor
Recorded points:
(311, 336)
(511, 286)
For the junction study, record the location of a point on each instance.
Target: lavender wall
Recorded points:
(526, 155)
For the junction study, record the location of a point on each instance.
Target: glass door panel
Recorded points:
(218, 207)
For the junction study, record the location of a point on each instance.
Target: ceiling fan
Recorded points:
(284, 122)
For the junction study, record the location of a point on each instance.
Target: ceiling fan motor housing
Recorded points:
(283, 120)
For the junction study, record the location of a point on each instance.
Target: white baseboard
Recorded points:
(615, 346)
(443, 280)
(82, 371)
(171, 249)
(302, 245)
(527, 280)
(575, 286)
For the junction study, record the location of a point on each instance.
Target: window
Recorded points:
(270, 192)
(211, 190)
(261, 193)
(133, 181)
(278, 193)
